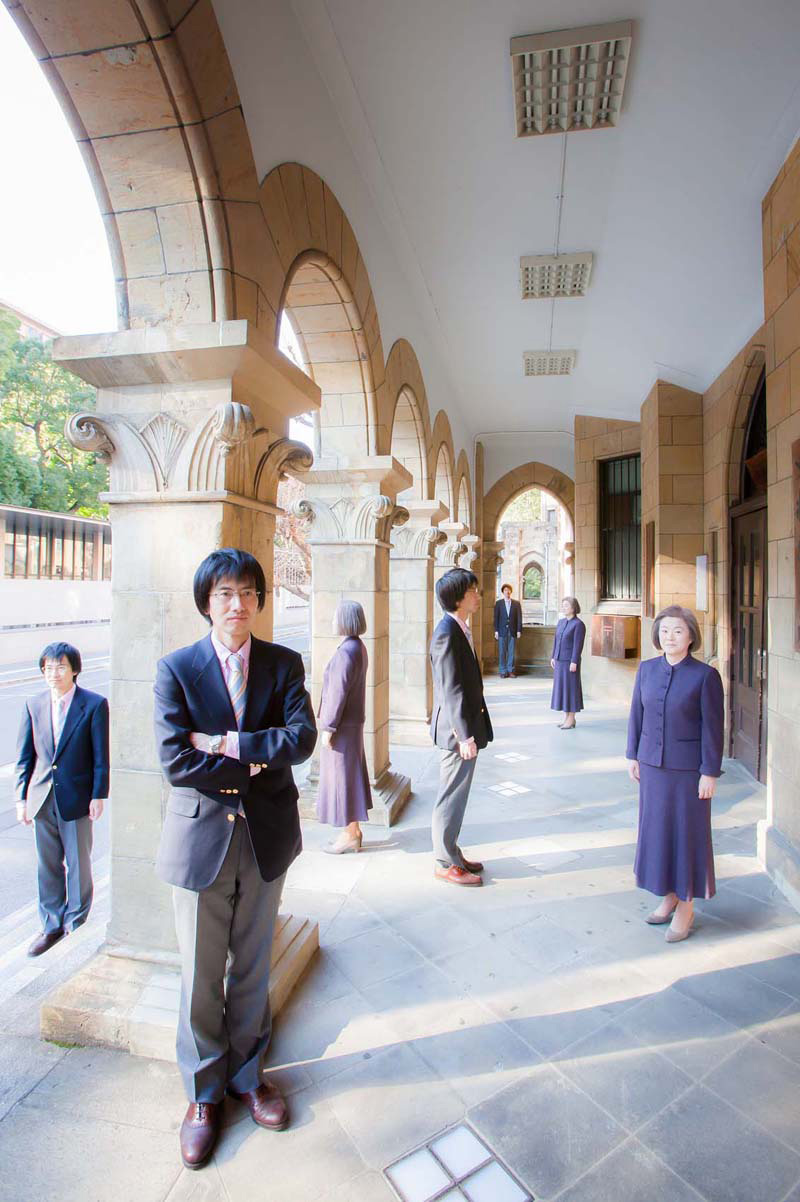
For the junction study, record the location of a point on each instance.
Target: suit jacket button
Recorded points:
(231, 818)
(234, 790)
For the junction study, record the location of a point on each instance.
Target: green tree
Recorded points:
(36, 398)
(527, 507)
(20, 480)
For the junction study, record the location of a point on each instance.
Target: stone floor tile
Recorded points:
(351, 919)
(305, 1162)
(323, 980)
(782, 972)
(782, 1034)
(453, 932)
(630, 1174)
(719, 1151)
(627, 1079)
(390, 1103)
(58, 1154)
(116, 1087)
(735, 995)
(23, 1064)
(547, 945)
(369, 1187)
(324, 1040)
(546, 1130)
(764, 1086)
(205, 1186)
(686, 1032)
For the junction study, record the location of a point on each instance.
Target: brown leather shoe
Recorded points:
(455, 875)
(266, 1106)
(199, 1133)
(43, 943)
(473, 866)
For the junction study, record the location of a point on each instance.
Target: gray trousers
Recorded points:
(224, 1023)
(455, 778)
(64, 902)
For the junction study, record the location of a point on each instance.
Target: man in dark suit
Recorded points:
(507, 629)
(232, 716)
(460, 724)
(62, 783)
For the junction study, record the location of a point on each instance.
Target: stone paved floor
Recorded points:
(594, 1061)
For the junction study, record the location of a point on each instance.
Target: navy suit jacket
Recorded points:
(78, 769)
(458, 702)
(568, 643)
(507, 623)
(677, 716)
(277, 730)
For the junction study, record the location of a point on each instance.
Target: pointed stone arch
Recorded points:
(442, 463)
(403, 412)
(463, 492)
(752, 369)
(519, 480)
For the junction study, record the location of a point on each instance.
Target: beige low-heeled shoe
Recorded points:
(341, 849)
(678, 936)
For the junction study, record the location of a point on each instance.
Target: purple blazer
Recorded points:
(568, 643)
(344, 686)
(677, 716)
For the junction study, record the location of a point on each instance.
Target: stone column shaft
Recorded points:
(411, 622)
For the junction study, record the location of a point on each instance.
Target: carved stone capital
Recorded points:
(449, 551)
(232, 424)
(87, 432)
(350, 519)
(416, 542)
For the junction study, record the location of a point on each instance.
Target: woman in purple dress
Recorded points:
(344, 792)
(566, 663)
(675, 752)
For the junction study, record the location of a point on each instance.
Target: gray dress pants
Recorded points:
(225, 940)
(64, 902)
(455, 778)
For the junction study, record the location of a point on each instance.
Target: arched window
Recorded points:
(532, 583)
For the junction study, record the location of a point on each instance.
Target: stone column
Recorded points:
(492, 555)
(351, 510)
(192, 421)
(449, 551)
(471, 560)
(411, 622)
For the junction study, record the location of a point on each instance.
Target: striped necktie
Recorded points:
(237, 687)
(60, 712)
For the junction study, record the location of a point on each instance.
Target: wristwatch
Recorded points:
(214, 744)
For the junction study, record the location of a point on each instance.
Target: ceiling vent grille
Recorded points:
(555, 275)
(569, 80)
(549, 363)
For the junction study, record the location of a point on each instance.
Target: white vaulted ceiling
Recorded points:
(445, 199)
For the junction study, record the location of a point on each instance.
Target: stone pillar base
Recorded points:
(409, 732)
(389, 797)
(132, 1004)
(780, 859)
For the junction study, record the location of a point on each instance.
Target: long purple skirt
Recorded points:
(567, 691)
(674, 853)
(344, 792)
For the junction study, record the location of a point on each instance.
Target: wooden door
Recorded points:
(749, 651)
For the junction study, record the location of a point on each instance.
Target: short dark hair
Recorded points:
(506, 586)
(227, 564)
(452, 588)
(573, 604)
(685, 615)
(61, 650)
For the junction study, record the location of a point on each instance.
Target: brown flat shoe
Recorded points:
(266, 1105)
(454, 875)
(199, 1133)
(472, 865)
(42, 943)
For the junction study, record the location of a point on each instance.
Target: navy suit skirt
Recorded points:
(674, 853)
(567, 692)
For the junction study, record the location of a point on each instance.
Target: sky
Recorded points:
(54, 260)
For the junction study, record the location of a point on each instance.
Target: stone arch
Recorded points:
(403, 412)
(530, 560)
(746, 386)
(519, 480)
(463, 493)
(150, 96)
(442, 463)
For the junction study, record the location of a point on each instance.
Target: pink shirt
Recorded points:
(55, 702)
(223, 655)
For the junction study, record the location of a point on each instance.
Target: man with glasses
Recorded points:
(232, 716)
(62, 783)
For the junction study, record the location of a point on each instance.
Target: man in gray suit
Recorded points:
(232, 716)
(460, 724)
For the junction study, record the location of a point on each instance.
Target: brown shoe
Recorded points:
(43, 943)
(266, 1106)
(455, 875)
(199, 1133)
(472, 865)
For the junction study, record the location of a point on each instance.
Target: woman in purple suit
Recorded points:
(344, 793)
(566, 663)
(675, 752)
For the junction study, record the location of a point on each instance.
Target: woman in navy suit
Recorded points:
(675, 752)
(566, 663)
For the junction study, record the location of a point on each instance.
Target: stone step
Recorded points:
(132, 1005)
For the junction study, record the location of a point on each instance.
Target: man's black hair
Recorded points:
(452, 588)
(56, 650)
(227, 564)
(506, 586)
